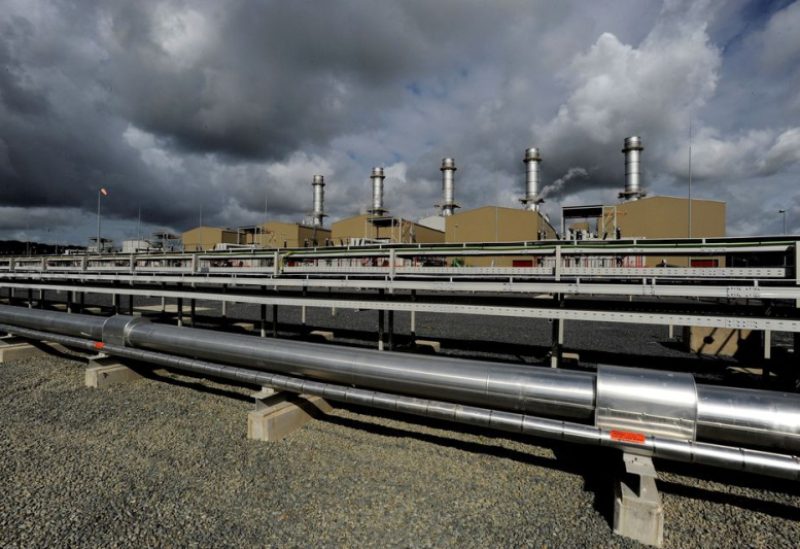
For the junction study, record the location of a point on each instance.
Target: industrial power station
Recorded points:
(636, 215)
(657, 262)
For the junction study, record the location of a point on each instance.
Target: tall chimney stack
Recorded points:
(448, 187)
(531, 199)
(633, 176)
(318, 183)
(377, 178)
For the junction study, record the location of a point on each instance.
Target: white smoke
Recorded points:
(556, 186)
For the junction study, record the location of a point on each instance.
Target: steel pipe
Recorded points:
(531, 161)
(377, 178)
(61, 323)
(448, 170)
(739, 459)
(632, 150)
(761, 418)
(318, 214)
(559, 393)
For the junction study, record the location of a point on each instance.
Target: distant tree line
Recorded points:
(16, 247)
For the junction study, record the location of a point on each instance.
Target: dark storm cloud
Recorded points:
(180, 106)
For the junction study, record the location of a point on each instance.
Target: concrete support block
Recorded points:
(714, 341)
(321, 334)
(638, 511)
(245, 326)
(281, 414)
(14, 349)
(107, 372)
(570, 358)
(427, 345)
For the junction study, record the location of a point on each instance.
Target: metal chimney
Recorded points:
(633, 176)
(318, 182)
(531, 199)
(377, 178)
(448, 186)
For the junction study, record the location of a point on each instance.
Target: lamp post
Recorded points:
(783, 213)
(690, 178)
(102, 192)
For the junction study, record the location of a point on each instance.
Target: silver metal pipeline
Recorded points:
(377, 178)
(318, 215)
(632, 151)
(556, 392)
(739, 459)
(719, 414)
(54, 322)
(532, 159)
(448, 170)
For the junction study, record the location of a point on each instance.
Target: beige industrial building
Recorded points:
(651, 217)
(202, 239)
(391, 229)
(278, 234)
(640, 216)
(274, 234)
(497, 224)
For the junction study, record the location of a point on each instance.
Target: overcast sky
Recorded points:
(181, 106)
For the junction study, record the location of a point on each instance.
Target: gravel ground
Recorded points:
(166, 463)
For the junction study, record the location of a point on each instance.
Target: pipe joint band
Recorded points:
(650, 402)
(117, 329)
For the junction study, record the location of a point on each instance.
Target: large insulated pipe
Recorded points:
(86, 326)
(738, 459)
(377, 178)
(448, 170)
(531, 161)
(318, 215)
(633, 176)
(764, 418)
(761, 418)
(560, 393)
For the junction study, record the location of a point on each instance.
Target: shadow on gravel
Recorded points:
(597, 466)
(722, 476)
(772, 508)
(195, 383)
(69, 354)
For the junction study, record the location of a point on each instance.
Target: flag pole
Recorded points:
(98, 223)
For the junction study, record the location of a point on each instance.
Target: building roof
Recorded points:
(655, 197)
(383, 219)
(490, 207)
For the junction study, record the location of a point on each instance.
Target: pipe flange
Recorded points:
(117, 329)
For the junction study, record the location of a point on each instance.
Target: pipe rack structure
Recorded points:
(645, 412)
(583, 280)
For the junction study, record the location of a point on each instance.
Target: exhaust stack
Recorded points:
(531, 200)
(633, 177)
(448, 170)
(318, 215)
(377, 178)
